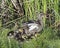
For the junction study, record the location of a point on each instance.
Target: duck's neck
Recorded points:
(40, 22)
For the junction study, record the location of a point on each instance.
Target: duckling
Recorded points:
(18, 37)
(11, 34)
(31, 27)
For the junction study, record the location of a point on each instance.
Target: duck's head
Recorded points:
(40, 16)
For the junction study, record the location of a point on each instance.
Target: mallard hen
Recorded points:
(31, 27)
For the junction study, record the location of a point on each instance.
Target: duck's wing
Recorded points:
(33, 26)
(31, 21)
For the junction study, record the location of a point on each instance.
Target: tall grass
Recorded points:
(47, 38)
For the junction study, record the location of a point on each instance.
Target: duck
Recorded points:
(32, 27)
(11, 34)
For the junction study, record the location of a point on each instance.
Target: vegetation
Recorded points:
(48, 38)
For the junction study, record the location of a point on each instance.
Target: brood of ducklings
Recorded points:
(17, 34)
(31, 27)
